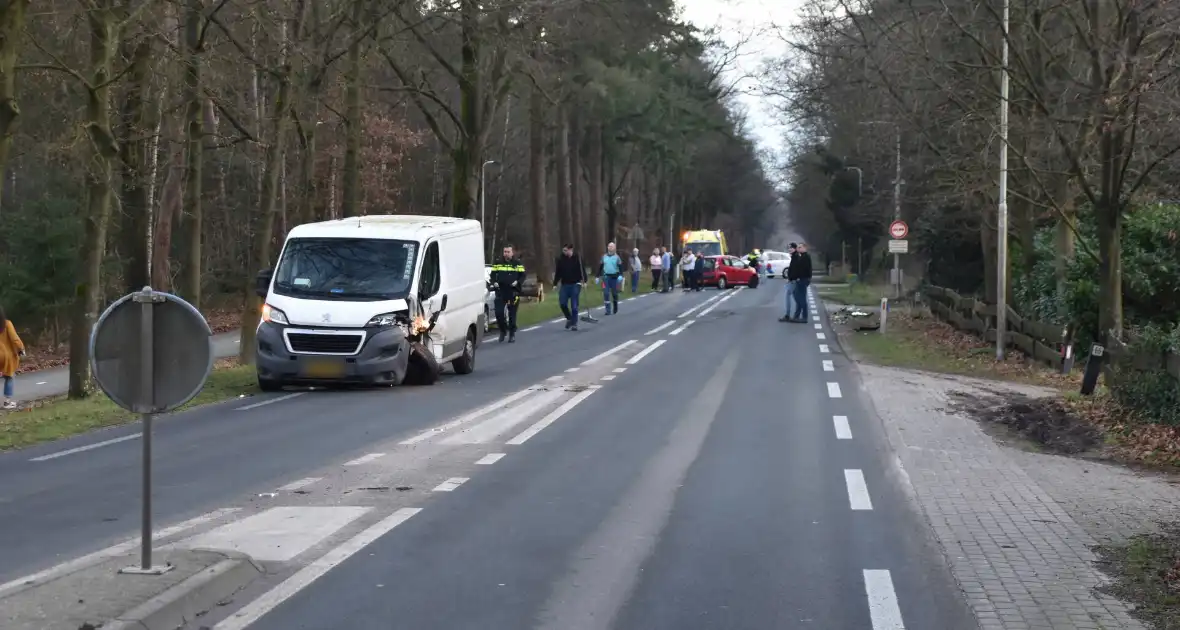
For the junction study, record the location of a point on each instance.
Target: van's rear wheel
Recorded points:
(466, 363)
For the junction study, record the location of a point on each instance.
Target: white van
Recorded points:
(340, 306)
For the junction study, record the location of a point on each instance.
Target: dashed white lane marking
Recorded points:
(829, 366)
(823, 348)
(270, 401)
(858, 491)
(531, 328)
(820, 336)
(304, 577)
(88, 447)
(114, 550)
(619, 370)
(602, 355)
(554, 415)
(486, 430)
(298, 485)
(698, 307)
(450, 484)
(559, 319)
(468, 417)
(556, 377)
(646, 351)
(42, 382)
(883, 609)
(814, 317)
(834, 390)
(819, 327)
(571, 370)
(278, 534)
(364, 459)
(843, 431)
(659, 328)
(608, 377)
(490, 458)
(681, 329)
(720, 302)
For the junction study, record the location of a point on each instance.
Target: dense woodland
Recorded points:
(1093, 146)
(174, 142)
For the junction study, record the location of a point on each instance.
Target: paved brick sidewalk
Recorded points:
(1016, 527)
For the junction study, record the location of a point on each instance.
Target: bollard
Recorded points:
(1093, 369)
(884, 313)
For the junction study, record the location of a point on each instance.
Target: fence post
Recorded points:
(884, 313)
(1093, 369)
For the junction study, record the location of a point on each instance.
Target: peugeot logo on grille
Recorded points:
(326, 318)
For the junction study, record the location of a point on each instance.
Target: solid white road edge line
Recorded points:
(646, 351)
(829, 366)
(608, 377)
(364, 459)
(834, 390)
(88, 447)
(270, 401)
(719, 303)
(681, 329)
(553, 415)
(820, 336)
(843, 431)
(823, 348)
(858, 491)
(819, 327)
(603, 355)
(464, 419)
(659, 328)
(698, 307)
(531, 328)
(112, 551)
(298, 485)
(304, 577)
(490, 458)
(883, 609)
(450, 484)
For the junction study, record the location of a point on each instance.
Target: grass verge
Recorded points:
(1146, 572)
(857, 294)
(56, 418)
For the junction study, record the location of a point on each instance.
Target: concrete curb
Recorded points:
(198, 594)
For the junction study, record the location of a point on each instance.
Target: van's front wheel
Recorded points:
(466, 363)
(267, 385)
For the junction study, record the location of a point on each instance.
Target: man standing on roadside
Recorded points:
(790, 285)
(507, 280)
(569, 276)
(610, 269)
(666, 265)
(800, 273)
(636, 265)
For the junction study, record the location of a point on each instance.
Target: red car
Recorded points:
(727, 271)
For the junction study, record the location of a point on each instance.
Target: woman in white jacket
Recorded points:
(688, 263)
(657, 267)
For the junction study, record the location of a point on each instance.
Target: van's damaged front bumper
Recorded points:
(383, 357)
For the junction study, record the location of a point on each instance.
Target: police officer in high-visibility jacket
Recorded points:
(507, 281)
(752, 258)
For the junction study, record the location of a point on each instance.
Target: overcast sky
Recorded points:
(755, 21)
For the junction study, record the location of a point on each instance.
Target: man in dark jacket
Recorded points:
(800, 274)
(507, 281)
(569, 276)
(698, 272)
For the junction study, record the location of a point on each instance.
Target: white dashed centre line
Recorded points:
(88, 447)
(823, 348)
(42, 382)
(681, 329)
(843, 431)
(553, 415)
(269, 401)
(619, 370)
(834, 390)
(829, 366)
(595, 359)
(819, 327)
(858, 491)
(364, 459)
(299, 485)
(820, 336)
(646, 351)
(571, 370)
(659, 328)
(490, 458)
(450, 484)
(468, 417)
(883, 609)
(608, 377)
(697, 307)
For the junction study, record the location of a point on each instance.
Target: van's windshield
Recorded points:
(366, 269)
(705, 248)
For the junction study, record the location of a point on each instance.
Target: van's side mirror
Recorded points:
(262, 282)
(442, 305)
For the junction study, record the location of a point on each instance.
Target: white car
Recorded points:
(775, 263)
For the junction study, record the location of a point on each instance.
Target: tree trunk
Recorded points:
(577, 215)
(564, 212)
(537, 195)
(101, 149)
(468, 151)
(1108, 214)
(136, 126)
(597, 194)
(194, 182)
(268, 201)
(12, 26)
(353, 116)
(169, 209)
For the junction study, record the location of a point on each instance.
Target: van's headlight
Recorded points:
(390, 319)
(272, 315)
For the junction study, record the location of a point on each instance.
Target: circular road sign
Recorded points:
(181, 346)
(899, 229)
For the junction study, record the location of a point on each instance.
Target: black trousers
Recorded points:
(506, 307)
(655, 278)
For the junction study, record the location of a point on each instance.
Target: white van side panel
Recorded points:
(462, 268)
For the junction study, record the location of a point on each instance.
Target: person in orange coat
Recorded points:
(11, 350)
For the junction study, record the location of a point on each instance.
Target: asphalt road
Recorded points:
(688, 464)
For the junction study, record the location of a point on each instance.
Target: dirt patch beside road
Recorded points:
(1046, 422)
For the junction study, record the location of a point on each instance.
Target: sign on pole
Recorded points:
(150, 352)
(899, 229)
(899, 247)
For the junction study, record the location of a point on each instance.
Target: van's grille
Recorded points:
(330, 344)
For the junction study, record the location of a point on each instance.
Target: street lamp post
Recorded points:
(1002, 219)
(483, 198)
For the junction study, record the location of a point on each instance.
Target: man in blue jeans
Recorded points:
(800, 274)
(569, 275)
(790, 293)
(610, 269)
